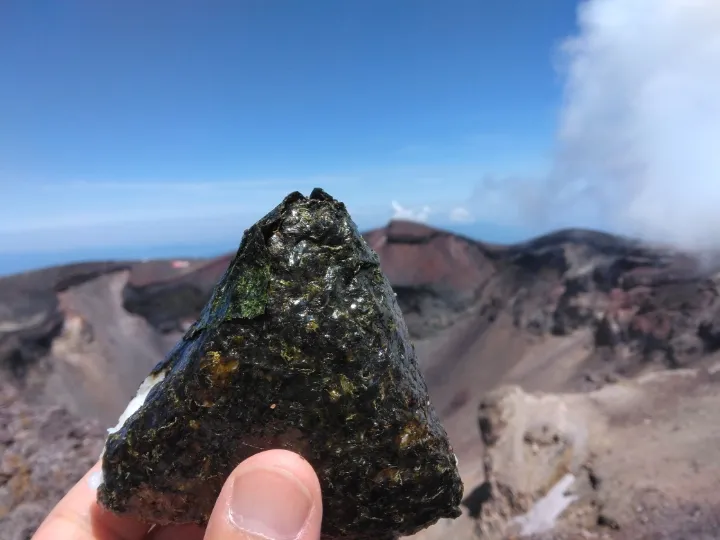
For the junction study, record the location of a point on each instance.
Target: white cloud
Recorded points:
(639, 130)
(410, 214)
(460, 214)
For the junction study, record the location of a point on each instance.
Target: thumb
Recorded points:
(273, 495)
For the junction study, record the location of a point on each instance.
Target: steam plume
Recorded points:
(638, 144)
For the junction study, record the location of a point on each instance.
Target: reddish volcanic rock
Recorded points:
(414, 255)
(437, 275)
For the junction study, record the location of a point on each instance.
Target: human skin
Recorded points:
(273, 495)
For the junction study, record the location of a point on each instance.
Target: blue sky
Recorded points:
(147, 128)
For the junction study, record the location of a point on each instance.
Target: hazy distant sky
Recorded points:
(129, 127)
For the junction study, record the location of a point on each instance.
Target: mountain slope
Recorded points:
(567, 312)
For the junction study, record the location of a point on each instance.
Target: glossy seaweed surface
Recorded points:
(302, 346)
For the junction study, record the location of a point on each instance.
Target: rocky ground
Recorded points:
(43, 451)
(576, 374)
(631, 460)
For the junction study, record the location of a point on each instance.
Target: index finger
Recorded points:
(79, 517)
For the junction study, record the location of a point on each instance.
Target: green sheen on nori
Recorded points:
(302, 346)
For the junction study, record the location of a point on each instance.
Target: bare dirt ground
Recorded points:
(644, 454)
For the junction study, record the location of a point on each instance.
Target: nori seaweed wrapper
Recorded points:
(302, 346)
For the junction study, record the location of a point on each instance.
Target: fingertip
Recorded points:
(289, 461)
(274, 495)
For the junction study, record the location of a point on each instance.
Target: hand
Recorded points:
(273, 495)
